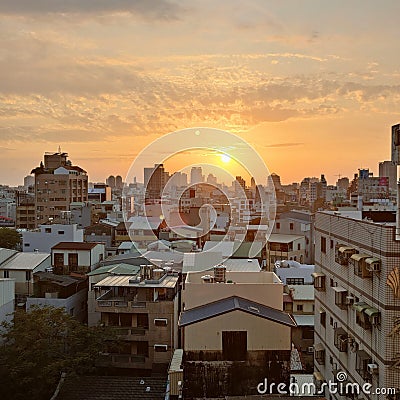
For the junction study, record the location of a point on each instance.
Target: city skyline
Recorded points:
(309, 87)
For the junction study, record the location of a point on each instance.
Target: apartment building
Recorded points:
(357, 301)
(57, 184)
(144, 308)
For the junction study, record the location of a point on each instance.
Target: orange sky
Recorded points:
(312, 86)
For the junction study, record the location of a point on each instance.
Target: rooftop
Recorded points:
(234, 303)
(169, 281)
(113, 388)
(281, 238)
(302, 292)
(24, 261)
(75, 246)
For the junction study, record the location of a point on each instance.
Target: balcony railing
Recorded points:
(135, 331)
(121, 303)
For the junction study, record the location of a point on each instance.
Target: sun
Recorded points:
(225, 158)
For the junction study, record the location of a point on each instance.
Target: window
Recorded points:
(27, 244)
(160, 348)
(322, 318)
(160, 322)
(278, 225)
(362, 361)
(61, 232)
(323, 244)
(294, 281)
(291, 226)
(307, 332)
(143, 321)
(47, 230)
(28, 275)
(298, 246)
(299, 307)
(331, 244)
(331, 283)
(319, 354)
(6, 274)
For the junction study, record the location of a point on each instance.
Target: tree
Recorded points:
(41, 344)
(9, 238)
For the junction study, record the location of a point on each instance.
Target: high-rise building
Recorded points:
(211, 179)
(57, 184)
(111, 181)
(119, 184)
(196, 175)
(389, 170)
(357, 301)
(29, 180)
(154, 181)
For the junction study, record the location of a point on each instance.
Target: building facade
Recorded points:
(357, 301)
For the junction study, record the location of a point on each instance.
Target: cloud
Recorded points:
(284, 145)
(153, 9)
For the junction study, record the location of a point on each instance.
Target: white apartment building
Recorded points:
(357, 302)
(45, 237)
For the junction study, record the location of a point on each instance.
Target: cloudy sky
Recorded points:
(314, 86)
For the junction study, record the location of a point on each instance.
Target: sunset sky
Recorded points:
(313, 86)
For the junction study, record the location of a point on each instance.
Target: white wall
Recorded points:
(43, 241)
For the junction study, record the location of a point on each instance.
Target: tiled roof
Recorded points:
(113, 388)
(74, 246)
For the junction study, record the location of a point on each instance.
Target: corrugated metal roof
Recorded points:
(6, 254)
(194, 262)
(144, 223)
(116, 269)
(234, 303)
(302, 292)
(281, 238)
(304, 320)
(25, 261)
(224, 247)
(176, 362)
(169, 281)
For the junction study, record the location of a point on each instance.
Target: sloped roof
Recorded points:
(234, 303)
(113, 388)
(25, 261)
(202, 261)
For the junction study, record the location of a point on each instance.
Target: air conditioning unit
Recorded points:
(374, 267)
(375, 319)
(310, 350)
(349, 300)
(372, 368)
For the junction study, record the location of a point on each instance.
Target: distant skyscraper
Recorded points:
(29, 180)
(111, 181)
(343, 184)
(58, 183)
(196, 175)
(389, 170)
(274, 182)
(154, 180)
(211, 179)
(118, 182)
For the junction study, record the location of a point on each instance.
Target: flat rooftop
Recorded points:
(247, 277)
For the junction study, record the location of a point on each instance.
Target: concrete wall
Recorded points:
(43, 241)
(7, 296)
(262, 334)
(74, 305)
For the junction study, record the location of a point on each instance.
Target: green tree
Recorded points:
(9, 238)
(41, 344)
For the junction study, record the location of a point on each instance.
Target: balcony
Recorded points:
(109, 300)
(131, 331)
